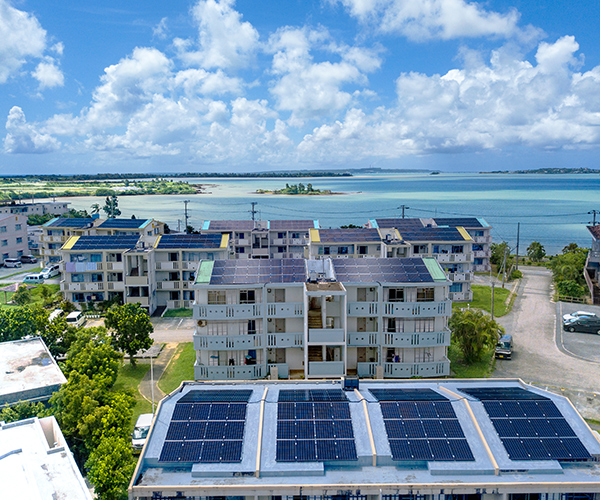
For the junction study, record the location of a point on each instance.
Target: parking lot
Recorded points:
(585, 346)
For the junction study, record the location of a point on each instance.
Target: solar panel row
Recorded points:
(564, 449)
(384, 270)
(312, 395)
(192, 241)
(201, 451)
(407, 395)
(316, 450)
(434, 450)
(214, 396)
(106, 242)
(417, 409)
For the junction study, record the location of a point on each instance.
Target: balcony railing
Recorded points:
(241, 372)
(461, 296)
(453, 257)
(167, 266)
(326, 335)
(233, 311)
(84, 287)
(275, 340)
(482, 239)
(285, 310)
(136, 280)
(457, 277)
(363, 309)
(114, 266)
(326, 368)
(416, 309)
(144, 301)
(363, 339)
(420, 339)
(227, 342)
(406, 370)
(282, 368)
(168, 285)
(115, 285)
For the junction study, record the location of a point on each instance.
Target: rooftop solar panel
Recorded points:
(445, 234)
(231, 225)
(213, 396)
(349, 235)
(467, 222)
(399, 223)
(258, 271)
(123, 223)
(410, 270)
(291, 225)
(106, 242)
(189, 241)
(71, 222)
(503, 393)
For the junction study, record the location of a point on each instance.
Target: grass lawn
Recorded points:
(182, 312)
(180, 368)
(36, 297)
(482, 299)
(480, 369)
(129, 380)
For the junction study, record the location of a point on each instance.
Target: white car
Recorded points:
(575, 315)
(50, 271)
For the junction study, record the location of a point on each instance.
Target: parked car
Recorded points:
(35, 279)
(12, 263)
(76, 319)
(583, 324)
(140, 432)
(504, 347)
(28, 259)
(576, 314)
(51, 270)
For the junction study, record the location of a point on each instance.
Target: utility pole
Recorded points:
(403, 207)
(492, 301)
(186, 215)
(518, 232)
(253, 211)
(504, 266)
(594, 212)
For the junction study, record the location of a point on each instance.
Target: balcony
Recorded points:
(363, 309)
(115, 285)
(282, 368)
(53, 239)
(421, 339)
(457, 277)
(453, 257)
(406, 370)
(227, 342)
(416, 309)
(234, 311)
(363, 339)
(326, 335)
(136, 280)
(81, 287)
(461, 296)
(144, 301)
(326, 369)
(285, 310)
(242, 372)
(482, 239)
(114, 266)
(280, 340)
(189, 266)
(167, 266)
(482, 253)
(168, 285)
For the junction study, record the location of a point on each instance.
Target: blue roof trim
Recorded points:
(205, 225)
(316, 224)
(374, 224)
(50, 221)
(483, 222)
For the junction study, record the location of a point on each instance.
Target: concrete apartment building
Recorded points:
(345, 243)
(39, 208)
(57, 231)
(37, 463)
(277, 239)
(13, 237)
(383, 440)
(321, 318)
(450, 246)
(136, 266)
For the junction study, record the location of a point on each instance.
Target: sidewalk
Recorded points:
(159, 366)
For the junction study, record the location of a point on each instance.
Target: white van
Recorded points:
(50, 271)
(140, 431)
(76, 319)
(35, 279)
(12, 262)
(57, 313)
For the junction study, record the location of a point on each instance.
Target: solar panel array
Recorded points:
(176, 241)
(123, 223)
(421, 425)
(410, 270)
(530, 426)
(291, 225)
(314, 426)
(106, 242)
(231, 225)
(348, 235)
(207, 427)
(71, 222)
(399, 223)
(431, 234)
(258, 271)
(458, 221)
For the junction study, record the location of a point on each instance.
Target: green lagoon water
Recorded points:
(551, 209)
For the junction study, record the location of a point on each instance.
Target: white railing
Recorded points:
(363, 309)
(285, 310)
(275, 340)
(453, 257)
(227, 342)
(326, 335)
(242, 372)
(235, 311)
(114, 266)
(359, 339)
(420, 339)
(416, 309)
(325, 368)
(167, 266)
(406, 370)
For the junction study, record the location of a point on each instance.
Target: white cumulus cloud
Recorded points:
(48, 74)
(23, 137)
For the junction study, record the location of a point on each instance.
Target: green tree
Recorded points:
(22, 296)
(130, 328)
(18, 322)
(95, 208)
(570, 248)
(536, 251)
(570, 288)
(110, 467)
(111, 206)
(498, 250)
(474, 332)
(21, 411)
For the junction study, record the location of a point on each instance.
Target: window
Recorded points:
(247, 297)
(97, 278)
(173, 257)
(456, 287)
(216, 298)
(363, 250)
(251, 326)
(17, 227)
(391, 325)
(295, 235)
(424, 325)
(457, 248)
(342, 250)
(425, 294)
(478, 234)
(19, 240)
(281, 235)
(478, 261)
(419, 249)
(2, 229)
(4, 243)
(396, 295)
(436, 249)
(240, 250)
(478, 248)
(77, 278)
(241, 236)
(280, 249)
(95, 257)
(326, 250)
(5, 256)
(78, 297)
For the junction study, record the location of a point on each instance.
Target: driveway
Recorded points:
(537, 357)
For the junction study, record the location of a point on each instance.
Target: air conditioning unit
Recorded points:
(202, 322)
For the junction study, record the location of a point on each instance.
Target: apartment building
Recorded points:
(56, 232)
(277, 239)
(13, 237)
(39, 208)
(450, 246)
(481, 234)
(156, 271)
(382, 440)
(345, 243)
(321, 318)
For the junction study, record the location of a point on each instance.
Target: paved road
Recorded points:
(585, 346)
(537, 358)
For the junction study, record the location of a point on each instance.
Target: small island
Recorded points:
(297, 189)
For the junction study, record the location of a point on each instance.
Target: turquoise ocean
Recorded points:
(551, 209)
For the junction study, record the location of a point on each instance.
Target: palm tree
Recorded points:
(95, 208)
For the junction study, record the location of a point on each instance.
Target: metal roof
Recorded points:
(124, 223)
(189, 241)
(70, 222)
(114, 242)
(349, 235)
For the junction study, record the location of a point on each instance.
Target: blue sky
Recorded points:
(220, 85)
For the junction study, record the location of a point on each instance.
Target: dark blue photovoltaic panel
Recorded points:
(407, 394)
(467, 222)
(123, 223)
(436, 450)
(189, 241)
(230, 225)
(258, 271)
(308, 395)
(215, 396)
(71, 222)
(503, 393)
(408, 270)
(350, 235)
(399, 223)
(119, 242)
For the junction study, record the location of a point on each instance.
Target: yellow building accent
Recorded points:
(464, 233)
(157, 240)
(70, 242)
(398, 234)
(314, 236)
(225, 241)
